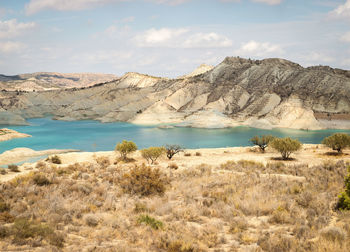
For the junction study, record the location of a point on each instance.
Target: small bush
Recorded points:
(125, 147)
(173, 166)
(140, 208)
(198, 154)
(6, 217)
(344, 197)
(187, 154)
(173, 149)
(144, 180)
(91, 220)
(150, 221)
(13, 168)
(54, 159)
(103, 162)
(4, 232)
(262, 141)
(333, 234)
(152, 153)
(3, 171)
(40, 180)
(286, 146)
(3, 206)
(337, 141)
(23, 229)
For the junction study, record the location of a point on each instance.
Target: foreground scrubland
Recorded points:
(232, 199)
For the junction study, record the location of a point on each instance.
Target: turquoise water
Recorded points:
(96, 136)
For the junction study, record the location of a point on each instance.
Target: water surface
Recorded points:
(96, 136)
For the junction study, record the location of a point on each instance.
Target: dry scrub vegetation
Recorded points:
(118, 206)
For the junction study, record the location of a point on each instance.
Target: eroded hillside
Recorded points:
(263, 93)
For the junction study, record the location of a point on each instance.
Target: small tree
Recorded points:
(173, 149)
(125, 147)
(286, 146)
(337, 141)
(152, 153)
(262, 141)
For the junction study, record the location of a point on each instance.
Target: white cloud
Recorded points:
(35, 6)
(12, 28)
(269, 2)
(212, 39)
(345, 37)
(180, 38)
(254, 48)
(316, 58)
(342, 11)
(159, 37)
(11, 47)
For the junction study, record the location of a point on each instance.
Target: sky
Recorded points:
(168, 38)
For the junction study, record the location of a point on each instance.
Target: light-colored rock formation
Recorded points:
(8, 134)
(262, 93)
(203, 68)
(50, 81)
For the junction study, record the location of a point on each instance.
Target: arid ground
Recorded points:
(229, 199)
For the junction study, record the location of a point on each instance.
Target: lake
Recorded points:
(96, 136)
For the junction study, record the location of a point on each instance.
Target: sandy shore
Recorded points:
(8, 134)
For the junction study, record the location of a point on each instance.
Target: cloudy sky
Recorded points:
(168, 37)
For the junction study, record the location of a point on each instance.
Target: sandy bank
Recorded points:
(8, 134)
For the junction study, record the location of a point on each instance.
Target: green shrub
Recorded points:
(150, 221)
(173, 149)
(262, 141)
(144, 180)
(344, 197)
(13, 168)
(40, 180)
(152, 153)
(337, 141)
(286, 146)
(125, 147)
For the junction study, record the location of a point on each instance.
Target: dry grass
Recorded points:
(242, 205)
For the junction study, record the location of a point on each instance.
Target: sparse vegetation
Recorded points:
(337, 141)
(239, 205)
(144, 180)
(286, 146)
(125, 148)
(262, 141)
(152, 153)
(172, 150)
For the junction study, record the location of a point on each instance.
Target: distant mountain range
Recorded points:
(259, 93)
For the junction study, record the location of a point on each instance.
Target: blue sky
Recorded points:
(168, 37)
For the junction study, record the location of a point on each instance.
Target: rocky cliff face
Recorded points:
(263, 93)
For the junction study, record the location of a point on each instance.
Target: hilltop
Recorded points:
(259, 93)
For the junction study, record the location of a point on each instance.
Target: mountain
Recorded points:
(259, 93)
(50, 81)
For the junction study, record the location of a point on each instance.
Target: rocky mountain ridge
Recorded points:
(42, 81)
(259, 93)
